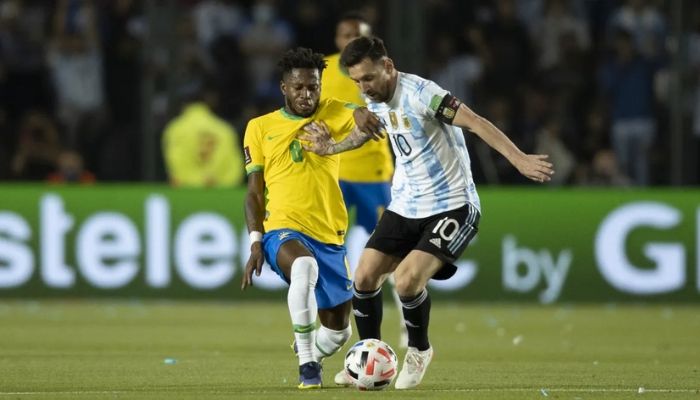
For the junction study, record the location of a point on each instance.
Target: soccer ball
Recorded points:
(371, 364)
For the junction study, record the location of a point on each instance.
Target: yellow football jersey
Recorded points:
(302, 187)
(372, 161)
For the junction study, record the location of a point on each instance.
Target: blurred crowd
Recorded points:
(84, 84)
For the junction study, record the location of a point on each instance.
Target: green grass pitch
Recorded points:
(207, 350)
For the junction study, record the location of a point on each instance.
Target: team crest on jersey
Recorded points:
(406, 122)
(246, 153)
(394, 120)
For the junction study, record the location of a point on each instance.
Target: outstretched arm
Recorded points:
(532, 166)
(318, 139)
(254, 215)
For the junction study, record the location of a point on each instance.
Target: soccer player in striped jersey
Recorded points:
(295, 212)
(365, 172)
(434, 210)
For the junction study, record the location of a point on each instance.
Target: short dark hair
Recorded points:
(353, 16)
(301, 57)
(361, 48)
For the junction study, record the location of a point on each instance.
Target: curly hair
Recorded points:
(301, 57)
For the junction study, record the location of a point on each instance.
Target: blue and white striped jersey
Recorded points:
(433, 170)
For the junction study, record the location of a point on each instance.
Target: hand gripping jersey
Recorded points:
(302, 191)
(370, 162)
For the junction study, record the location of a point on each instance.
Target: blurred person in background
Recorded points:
(216, 18)
(435, 209)
(263, 41)
(365, 173)
(76, 66)
(504, 43)
(549, 141)
(38, 147)
(626, 80)
(605, 170)
(645, 23)
(24, 78)
(70, 169)
(557, 25)
(200, 149)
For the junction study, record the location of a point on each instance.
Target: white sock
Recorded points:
(301, 300)
(328, 341)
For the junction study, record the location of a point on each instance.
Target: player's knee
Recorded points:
(343, 336)
(365, 279)
(408, 283)
(305, 269)
(329, 341)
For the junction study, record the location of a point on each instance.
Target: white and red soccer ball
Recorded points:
(371, 364)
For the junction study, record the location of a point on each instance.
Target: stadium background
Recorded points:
(583, 288)
(87, 89)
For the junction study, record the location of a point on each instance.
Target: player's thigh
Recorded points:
(414, 271)
(373, 269)
(336, 318)
(288, 252)
(334, 284)
(447, 234)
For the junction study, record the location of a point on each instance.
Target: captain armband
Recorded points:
(447, 109)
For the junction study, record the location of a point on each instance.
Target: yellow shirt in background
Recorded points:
(372, 161)
(201, 149)
(302, 187)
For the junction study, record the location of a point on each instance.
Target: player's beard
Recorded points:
(380, 96)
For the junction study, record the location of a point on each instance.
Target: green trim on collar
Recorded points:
(290, 116)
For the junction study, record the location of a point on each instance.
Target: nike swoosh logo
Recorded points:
(270, 137)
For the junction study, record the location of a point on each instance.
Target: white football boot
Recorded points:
(342, 378)
(414, 366)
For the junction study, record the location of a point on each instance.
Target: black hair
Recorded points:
(301, 57)
(353, 16)
(361, 48)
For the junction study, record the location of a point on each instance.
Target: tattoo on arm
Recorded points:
(355, 139)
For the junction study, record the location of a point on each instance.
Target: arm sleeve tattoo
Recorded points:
(355, 139)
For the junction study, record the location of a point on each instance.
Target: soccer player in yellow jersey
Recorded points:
(365, 172)
(295, 212)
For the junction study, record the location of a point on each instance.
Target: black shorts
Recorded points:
(444, 235)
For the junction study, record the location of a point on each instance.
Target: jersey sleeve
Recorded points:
(429, 97)
(252, 148)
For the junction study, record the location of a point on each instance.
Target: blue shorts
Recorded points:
(369, 199)
(334, 285)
